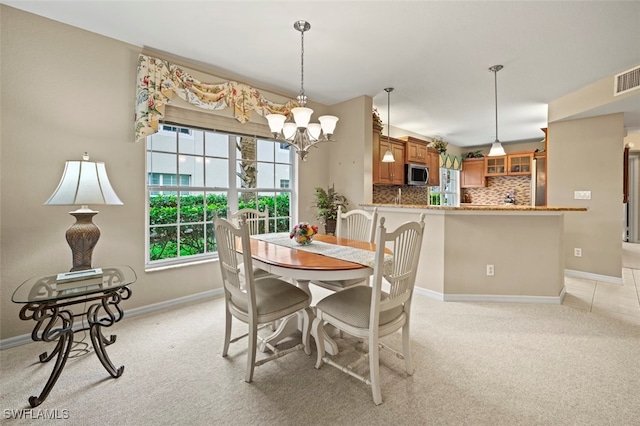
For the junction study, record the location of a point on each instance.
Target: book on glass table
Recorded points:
(79, 278)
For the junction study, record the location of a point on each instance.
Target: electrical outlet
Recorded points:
(577, 252)
(490, 270)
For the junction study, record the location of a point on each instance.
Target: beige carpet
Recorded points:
(475, 364)
(631, 255)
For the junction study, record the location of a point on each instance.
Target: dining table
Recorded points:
(327, 258)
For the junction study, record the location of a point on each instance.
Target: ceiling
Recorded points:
(436, 54)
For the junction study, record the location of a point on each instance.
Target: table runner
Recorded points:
(350, 254)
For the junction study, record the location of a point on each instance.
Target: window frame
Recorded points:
(233, 190)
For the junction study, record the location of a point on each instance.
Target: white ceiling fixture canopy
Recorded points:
(301, 134)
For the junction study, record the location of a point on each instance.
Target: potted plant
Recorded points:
(440, 145)
(377, 121)
(327, 202)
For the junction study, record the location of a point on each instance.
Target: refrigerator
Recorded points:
(539, 181)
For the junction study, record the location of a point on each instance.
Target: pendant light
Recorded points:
(388, 155)
(496, 147)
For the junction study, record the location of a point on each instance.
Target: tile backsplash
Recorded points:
(497, 188)
(386, 194)
(494, 194)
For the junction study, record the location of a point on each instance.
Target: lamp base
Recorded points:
(82, 237)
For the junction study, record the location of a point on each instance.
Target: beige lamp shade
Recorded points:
(83, 183)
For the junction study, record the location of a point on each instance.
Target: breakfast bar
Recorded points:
(488, 253)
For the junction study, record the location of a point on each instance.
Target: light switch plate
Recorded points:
(582, 195)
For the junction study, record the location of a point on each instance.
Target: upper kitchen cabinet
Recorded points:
(387, 173)
(418, 151)
(472, 173)
(520, 163)
(495, 166)
(433, 161)
(415, 150)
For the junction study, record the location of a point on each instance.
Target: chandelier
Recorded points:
(301, 134)
(496, 146)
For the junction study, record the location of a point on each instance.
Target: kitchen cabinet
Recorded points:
(433, 161)
(512, 164)
(472, 173)
(520, 163)
(495, 166)
(418, 151)
(415, 150)
(387, 173)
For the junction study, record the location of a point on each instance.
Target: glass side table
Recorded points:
(48, 302)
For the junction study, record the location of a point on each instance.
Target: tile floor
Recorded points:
(614, 300)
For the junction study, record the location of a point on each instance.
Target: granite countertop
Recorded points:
(481, 207)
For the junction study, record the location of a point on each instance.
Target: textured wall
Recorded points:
(497, 188)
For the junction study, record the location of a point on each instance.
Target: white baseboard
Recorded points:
(557, 300)
(594, 277)
(26, 338)
(174, 302)
(429, 293)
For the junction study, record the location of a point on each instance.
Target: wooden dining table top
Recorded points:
(290, 257)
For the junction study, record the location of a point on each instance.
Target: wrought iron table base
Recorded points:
(103, 313)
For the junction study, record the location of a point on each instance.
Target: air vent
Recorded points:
(626, 81)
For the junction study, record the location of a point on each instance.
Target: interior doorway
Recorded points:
(632, 220)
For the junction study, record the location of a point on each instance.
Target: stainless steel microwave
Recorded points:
(416, 174)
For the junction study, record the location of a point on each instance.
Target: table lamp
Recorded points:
(83, 183)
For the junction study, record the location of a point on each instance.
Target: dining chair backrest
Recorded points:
(405, 242)
(258, 221)
(357, 224)
(238, 284)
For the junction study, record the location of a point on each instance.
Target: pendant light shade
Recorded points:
(496, 147)
(388, 155)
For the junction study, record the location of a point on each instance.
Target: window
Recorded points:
(172, 129)
(448, 193)
(192, 173)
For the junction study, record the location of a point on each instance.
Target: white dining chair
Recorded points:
(355, 225)
(258, 223)
(255, 302)
(368, 312)
(257, 220)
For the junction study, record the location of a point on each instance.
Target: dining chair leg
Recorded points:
(406, 349)
(227, 332)
(319, 333)
(374, 370)
(251, 355)
(307, 315)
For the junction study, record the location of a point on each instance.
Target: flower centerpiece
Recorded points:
(303, 233)
(510, 198)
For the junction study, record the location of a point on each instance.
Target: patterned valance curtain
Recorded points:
(449, 161)
(159, 81)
